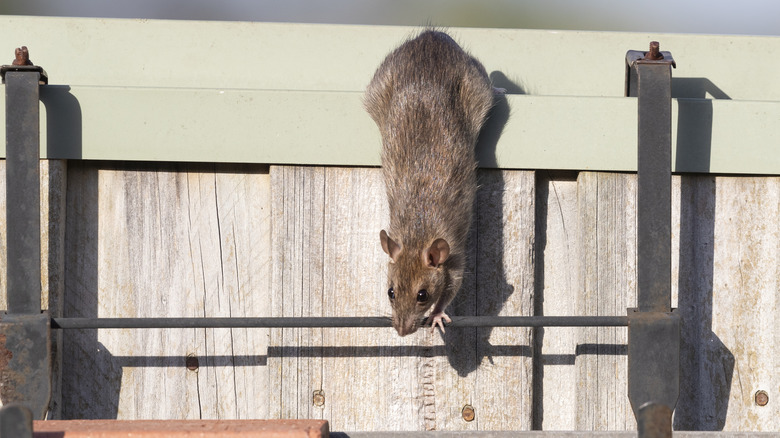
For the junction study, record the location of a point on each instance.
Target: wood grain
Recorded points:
(607, 254)
(328, 262)
(205, 240)
(729, 251)
(165, 240)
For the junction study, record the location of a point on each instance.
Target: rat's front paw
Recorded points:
(438, 319)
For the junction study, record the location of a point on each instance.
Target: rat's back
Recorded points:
(429, 99)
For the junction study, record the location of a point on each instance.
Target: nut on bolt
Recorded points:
(468, 413)
(318, 398)
(761, 397)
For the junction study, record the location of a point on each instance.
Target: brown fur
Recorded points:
(429, 99)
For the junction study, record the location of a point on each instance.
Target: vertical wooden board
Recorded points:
(608, 287)
(53, 193)
(505, 223)
(557, 280)
(167, 244)
(374, 385)
(138, 275)
(746, 301)
(90, 378)
(396, 383)
(328, 262)
(244, 206)
(297, 218)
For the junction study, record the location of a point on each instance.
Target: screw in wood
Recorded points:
(192, 362)
(318, 398)
(762, 398)
(468, 413)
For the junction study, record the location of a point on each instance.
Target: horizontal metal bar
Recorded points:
(315, 322)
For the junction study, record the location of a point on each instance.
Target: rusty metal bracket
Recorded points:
(649, 77)
(653, 370)
(25, 362)
(653, 329)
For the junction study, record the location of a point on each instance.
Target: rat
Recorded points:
(429, 99)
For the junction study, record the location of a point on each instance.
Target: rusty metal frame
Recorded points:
(25, 346)
(653, 328)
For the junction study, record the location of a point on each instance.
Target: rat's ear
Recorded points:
(389, 245)
(437, 253)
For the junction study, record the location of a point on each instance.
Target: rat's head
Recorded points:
(417, 277)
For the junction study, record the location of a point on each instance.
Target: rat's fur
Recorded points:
(429, 99)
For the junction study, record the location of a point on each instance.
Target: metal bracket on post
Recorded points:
(653, 329)
(25, 347)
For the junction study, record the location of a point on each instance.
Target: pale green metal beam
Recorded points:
(159, 90)
(332, 128)
(325, 57)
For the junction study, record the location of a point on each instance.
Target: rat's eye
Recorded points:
(422, 296)
(391, 293)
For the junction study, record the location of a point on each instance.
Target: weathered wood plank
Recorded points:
(557, 279)
(505, 284)
(327, 262)
(371, 380)
(728, 296)
(607, 254)
(164, 240)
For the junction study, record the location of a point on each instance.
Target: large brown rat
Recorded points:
(429, 99)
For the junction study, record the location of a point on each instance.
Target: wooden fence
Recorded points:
(190, 239)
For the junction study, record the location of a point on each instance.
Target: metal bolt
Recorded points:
(468, 413)
(22, 56)
(192, 362)
(655, 52)
(762, 398)
(318, 398)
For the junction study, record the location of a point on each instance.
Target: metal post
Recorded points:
(24, 329)
(23, 188)
(15, 422)
(653, 329)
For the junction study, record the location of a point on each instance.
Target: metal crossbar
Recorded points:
(324, 322)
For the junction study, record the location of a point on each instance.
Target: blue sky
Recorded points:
(750, 17)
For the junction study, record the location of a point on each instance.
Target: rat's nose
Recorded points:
(406, 327)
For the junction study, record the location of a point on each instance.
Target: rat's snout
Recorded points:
(405, 326)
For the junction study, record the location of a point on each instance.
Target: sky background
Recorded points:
(747, 17)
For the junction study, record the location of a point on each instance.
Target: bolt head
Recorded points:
(318, 398)
(192, 362)
(761, 397)
(468, 413)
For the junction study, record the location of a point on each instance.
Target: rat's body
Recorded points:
(429, 99)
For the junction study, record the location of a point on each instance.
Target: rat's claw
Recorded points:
(438, 320)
